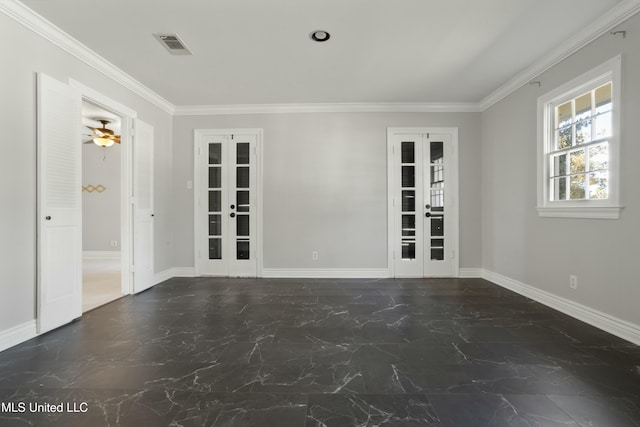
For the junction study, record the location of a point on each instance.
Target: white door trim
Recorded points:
(198, 135)
(126, 176)
(391, 233)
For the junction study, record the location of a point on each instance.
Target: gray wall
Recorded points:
(325, 185)
(543, 252)
(20, 62)
(101, 210)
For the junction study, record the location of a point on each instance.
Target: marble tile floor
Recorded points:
(316, 353)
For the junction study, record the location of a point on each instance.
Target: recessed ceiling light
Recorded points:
(320, 36)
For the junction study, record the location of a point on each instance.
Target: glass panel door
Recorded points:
(228, 171)
(422, 202)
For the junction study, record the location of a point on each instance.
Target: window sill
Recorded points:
(591, 212)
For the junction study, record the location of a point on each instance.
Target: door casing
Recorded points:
(128, 117)
(453, 187)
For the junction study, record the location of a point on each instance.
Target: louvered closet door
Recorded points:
(59, 208)
(228, 205)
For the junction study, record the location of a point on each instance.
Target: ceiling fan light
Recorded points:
(103, 142)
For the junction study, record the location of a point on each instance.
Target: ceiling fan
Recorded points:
(102, 136)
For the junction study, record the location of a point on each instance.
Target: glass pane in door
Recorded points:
(215, 200)
(436, 191)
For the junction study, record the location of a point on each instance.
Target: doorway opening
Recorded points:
(101, 207)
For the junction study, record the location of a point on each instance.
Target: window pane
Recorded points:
(408, 225)
(599, 185)
(577, 161)
(409, 250)
(242, 225)
(215, 154)
(215, 201)
(559, 165)
(437, 176)
(583, 107)
(437, 243)
(242, 251)
(408, 176)
(408, 201)
(242, 177)
(437, 225)
(436, 150)
(603, 125)
(242, 153)
(408, 153)
(603, 98)
(577, 187)
(564, 137)
(215, 225)
(215, 248)
(437, 254)
(599, 157)
(242, 199)
(563, 115)
(215, 177)
(583, 131)
(437, 200)
(559, 189)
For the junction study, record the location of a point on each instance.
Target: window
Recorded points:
(579, 146)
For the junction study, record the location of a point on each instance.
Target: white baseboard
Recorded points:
(162, 276)
(470, 273)
(184, 272)
(326, 273)
(101, 255)
(615, 326)
(18, 334)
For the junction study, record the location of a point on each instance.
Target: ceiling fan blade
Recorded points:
(96, 131)
(88, 142)
(116, 139)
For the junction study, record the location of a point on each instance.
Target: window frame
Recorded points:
(609, 208)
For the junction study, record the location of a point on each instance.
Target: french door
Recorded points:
(423, 188)
(226, 203)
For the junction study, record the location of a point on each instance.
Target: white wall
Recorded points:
(543, 252)
(23, 55)
(101, 210)
(325, 185)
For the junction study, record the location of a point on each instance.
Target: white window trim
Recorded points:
(599, 209)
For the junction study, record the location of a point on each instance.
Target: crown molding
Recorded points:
(615, 16)
(39, 25)
(458, 107)
(27, 17)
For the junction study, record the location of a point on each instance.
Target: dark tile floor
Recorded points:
(240, 352)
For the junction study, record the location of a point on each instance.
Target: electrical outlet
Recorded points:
(114, 243)
(573, 282)
(314, 255)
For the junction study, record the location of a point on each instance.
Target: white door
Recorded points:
(143, 215)
(424, 182)
(226, 203)
(59, 208)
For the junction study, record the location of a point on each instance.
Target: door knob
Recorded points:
(232, 206)
(232, 214)
(428, 214)
(48, 218)
(428, 207)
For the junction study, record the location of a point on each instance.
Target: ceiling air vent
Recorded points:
(173, 44)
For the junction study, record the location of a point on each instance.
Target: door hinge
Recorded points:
(232, 137)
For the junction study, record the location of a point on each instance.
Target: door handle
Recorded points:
(232, 214)
(428, 214)
(232, 206)
(48, 218)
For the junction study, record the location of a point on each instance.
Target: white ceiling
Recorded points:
(259, 52)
